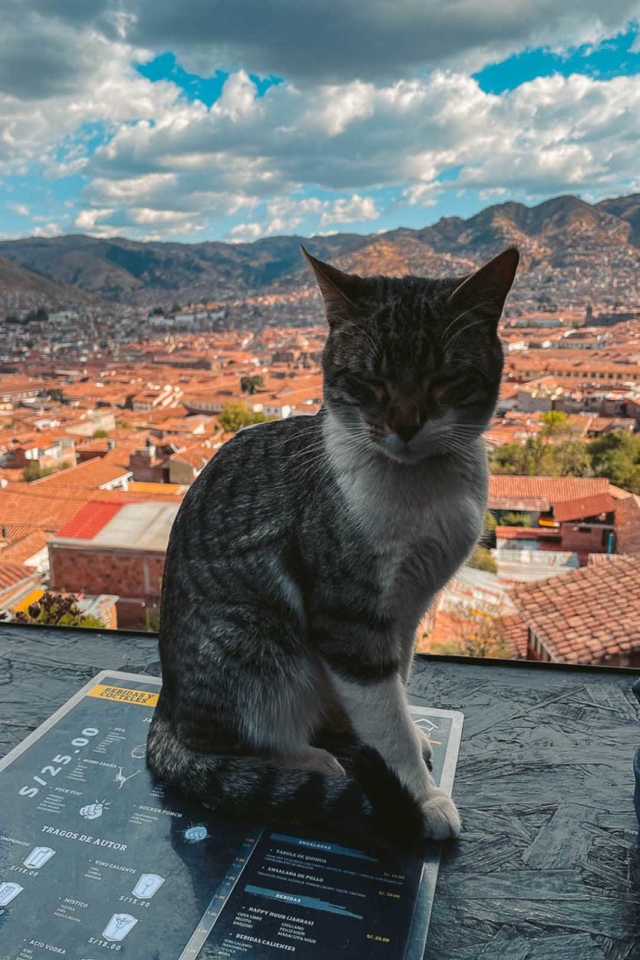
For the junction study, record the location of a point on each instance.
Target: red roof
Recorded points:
(584, 507)
(588, 616)
(540, 493)
(90, 520)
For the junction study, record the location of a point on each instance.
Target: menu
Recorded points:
(96, 859)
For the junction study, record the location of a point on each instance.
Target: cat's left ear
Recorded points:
(340, 291)
(485, 291)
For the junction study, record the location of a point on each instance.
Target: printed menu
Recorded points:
(96, 859)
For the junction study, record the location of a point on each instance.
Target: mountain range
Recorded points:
(572, 252)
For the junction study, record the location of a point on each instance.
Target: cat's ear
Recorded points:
(340, 291)
(484, 292)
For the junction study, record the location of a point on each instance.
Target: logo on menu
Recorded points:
(38, 857)
(147, 886)
(8, 892)
(120, 926)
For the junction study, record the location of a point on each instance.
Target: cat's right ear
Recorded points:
(340, 291)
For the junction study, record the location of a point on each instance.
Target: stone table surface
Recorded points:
(547, 867)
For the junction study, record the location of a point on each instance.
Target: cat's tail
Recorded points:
(372, 804)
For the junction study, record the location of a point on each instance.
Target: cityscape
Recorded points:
(109, 411)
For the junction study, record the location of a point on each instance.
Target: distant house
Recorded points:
(44, 452)
(570, 515)
(115, 548)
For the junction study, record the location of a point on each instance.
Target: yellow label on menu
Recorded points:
(122, 694)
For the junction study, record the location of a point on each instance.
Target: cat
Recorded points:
(305, 554)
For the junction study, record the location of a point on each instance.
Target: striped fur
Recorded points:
(305, 554)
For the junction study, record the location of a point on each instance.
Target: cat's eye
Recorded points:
(372, 383)
(440, 389)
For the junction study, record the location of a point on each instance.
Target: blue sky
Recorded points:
(191, 142)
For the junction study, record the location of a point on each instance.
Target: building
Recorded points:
(115, 548)
(589, 616)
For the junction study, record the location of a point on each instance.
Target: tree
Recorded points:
(57, 394)
(555, 423)
(100, 434)
(513, 518)
(482, 559)
(616, 456)
(235, 415)
(474, 633)
(33, 472)
(571, 458)
(60, 610)
(249, 384)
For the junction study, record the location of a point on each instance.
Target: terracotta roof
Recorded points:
(587, 616)
(515, 634)
(90, 475)
(38, 508)
(27, 547)
(584, 507)
(89, 520)
(538, 490)
(12, 573)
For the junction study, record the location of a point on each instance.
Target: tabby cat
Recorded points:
(304, 556)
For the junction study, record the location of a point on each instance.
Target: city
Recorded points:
(108, 414)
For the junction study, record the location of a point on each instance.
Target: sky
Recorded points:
(239, 119)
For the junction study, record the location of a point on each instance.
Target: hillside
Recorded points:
(21, 289)
(588, 252)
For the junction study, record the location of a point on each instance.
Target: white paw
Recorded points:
(441, 817)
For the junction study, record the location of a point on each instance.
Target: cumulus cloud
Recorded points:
(319, 41)
(21, 209)
(396, 109)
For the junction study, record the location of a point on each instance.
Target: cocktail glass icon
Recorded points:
(38, 857)
(147, 885)
(120, 925)
(8, 892)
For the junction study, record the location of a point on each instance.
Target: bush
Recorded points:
(33, 472)
(60, 610)
(482, 559)
(100, 434)
(234, 416)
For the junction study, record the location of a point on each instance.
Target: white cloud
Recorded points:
(87, 219)
(396, 110)
(350, 210)
(21, 209)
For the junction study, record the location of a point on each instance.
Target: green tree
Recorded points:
(57, 394)
(60, 610)
(249, 384)
(482, 559)
(235, 415)
(555, 423)
(571, 457)
(513, 518)
(100, 434)
(616, 456)
(33, 472)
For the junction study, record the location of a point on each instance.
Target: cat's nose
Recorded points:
(406, 431)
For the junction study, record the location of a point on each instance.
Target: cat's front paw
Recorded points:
(441, 817)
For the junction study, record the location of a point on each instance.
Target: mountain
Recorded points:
(21, 288)
(573, 253)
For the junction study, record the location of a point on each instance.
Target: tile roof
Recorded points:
(553, 490)
(13, 573)
(89, 520)
(24, 548)
(90, 475)
(584, 507)
(587, 616)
